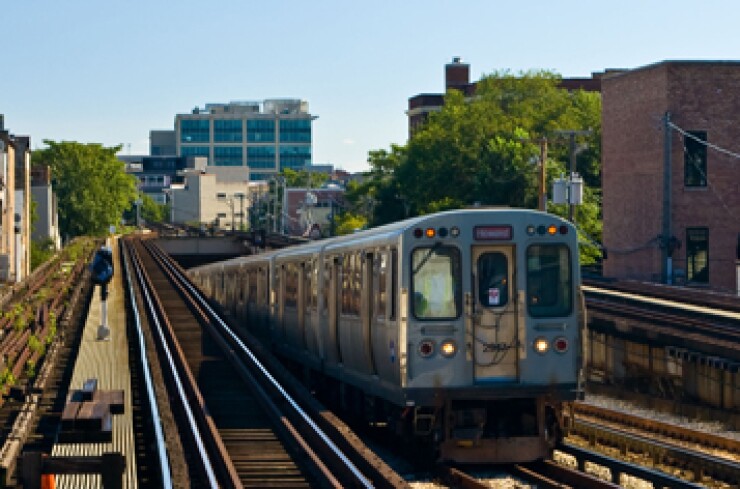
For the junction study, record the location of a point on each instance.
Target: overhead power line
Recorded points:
(705, 143)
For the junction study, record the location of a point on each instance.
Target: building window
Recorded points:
(221, 196)
(261, 156)
(260, 177)
(695, 159)
(221, 215)
(195, 130)
(294, 156)
(295, 130)
(227, 130)
(261, 131)
(697, 255)
(227, 156)
(195, 151)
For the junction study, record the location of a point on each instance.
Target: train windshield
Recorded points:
(435, 282)
(549, 281)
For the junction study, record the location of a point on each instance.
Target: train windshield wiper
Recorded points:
(426, 258)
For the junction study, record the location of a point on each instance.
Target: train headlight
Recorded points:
(426, 348)
(541, 345)
(552, 229)
(430, 233)
(560, 344)
(531, 230)
(454, 231)
(448, 348)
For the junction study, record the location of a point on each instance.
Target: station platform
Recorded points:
(106, 361)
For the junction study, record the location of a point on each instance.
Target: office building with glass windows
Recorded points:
(266, 136)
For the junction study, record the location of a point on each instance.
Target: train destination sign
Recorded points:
(492, 233)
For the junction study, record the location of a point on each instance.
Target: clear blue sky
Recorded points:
(109, 71)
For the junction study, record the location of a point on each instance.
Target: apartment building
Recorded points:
(15, 206)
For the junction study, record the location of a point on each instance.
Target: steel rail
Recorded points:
(721, 467)
(657, 478)
(658, 301)
(148, 381)
(335, 450)
(183, 398)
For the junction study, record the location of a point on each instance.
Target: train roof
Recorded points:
(388, 231)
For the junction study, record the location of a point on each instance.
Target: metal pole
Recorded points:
(543, 180)
(571, 206)
(241, 209)
(231, 204)
(667, 232)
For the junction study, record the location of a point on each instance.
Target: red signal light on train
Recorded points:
(430, 232)
(560, 344)
(426, 348)
(563, 229)
(418, 233)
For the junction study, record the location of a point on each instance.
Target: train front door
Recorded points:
(495, 329)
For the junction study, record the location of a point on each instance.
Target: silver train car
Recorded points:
(460, 330)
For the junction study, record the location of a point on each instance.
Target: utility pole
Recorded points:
(665, 242)
(573, 152)
(543, 175)
(241, 210)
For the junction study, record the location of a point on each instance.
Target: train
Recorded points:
(459, 331)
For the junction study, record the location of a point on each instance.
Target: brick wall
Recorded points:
(703, 96)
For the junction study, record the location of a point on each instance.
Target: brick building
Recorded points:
(690, 233)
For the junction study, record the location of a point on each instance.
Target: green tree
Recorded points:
(483, 150)
(41, 252)
(91, 185)
(151, 211)
(486, 150)
(303, 178)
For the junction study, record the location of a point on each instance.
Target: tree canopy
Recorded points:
(90, 183)
(486, 150)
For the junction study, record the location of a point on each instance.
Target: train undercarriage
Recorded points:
(457, 431)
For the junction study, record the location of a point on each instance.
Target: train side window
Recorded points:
(394, 283)
(549, 281)
(351, 284)
(291, 285)
(312, 283)
(326, 271)
(382, 273)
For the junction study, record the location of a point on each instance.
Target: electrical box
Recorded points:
(559, 191)
(575, 194)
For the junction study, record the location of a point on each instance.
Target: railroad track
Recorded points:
(50, 305)
(712, 331)
(685, 295)
(661, 444)
(240, 427)
(543, 475)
